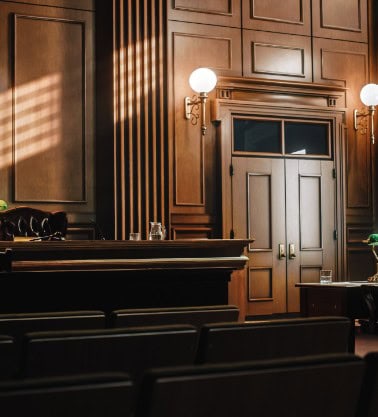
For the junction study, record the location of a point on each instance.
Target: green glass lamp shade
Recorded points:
(372, 239)
(3, 205)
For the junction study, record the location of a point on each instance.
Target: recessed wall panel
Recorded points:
(259, 210)
(196, 46)
(310, 212)
(49, 141)
(340, 19)
(291, 16)
(260, 284)
(211, 12)
(276, 56)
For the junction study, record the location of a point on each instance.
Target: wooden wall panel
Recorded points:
(47, 101)
(346, 63)
(214, 12)
(140, 138)
(340, 19)
(49, 108)
(193, 164)
(290, 16)
(69, 4)
(276, 56)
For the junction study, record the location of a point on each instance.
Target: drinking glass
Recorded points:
(325, 276)
(134, 236)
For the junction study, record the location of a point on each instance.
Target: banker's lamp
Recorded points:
(202, 81)
(369, 96)
(372, 241)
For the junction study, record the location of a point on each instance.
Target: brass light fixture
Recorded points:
(202, 81)
(369, 96)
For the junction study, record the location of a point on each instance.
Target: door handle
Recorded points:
(281, 251)
(292, 254)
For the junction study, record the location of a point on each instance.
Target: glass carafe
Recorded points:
(157, 231)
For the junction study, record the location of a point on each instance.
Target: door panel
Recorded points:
(287, 202)
(310, 222)
(258, 188)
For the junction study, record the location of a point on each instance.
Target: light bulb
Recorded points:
(369, 94)
(202, 80)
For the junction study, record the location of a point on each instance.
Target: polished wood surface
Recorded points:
(108, 275)
(336, 298)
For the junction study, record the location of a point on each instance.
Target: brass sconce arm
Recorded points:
(361, 125)
(192, 105)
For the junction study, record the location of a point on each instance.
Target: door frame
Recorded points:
(224, 108)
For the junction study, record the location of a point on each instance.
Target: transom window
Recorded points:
(282, 137)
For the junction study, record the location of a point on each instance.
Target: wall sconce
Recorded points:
(369, 96)
(202, 81)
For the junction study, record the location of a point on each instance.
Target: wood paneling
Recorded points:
(346, 63)
(361, 264)
(46, 87)
(69, 4)
(278, 56)
(214, 12)
(49, 108)
(290, 16)
(340, 19)
(192, 162)
(132, 159)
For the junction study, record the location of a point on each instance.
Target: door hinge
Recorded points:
(335, 235)
(232, 234)
(231, 170)
(334, 172)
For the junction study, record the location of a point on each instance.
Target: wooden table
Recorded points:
(334, 299)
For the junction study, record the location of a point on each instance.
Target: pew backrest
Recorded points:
(267, 339)
(109, 350)
(94, 395)
(196, 315)
(312, 386)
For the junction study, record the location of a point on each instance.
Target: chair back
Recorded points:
(267, 339)
(196, 315)
(24, 221)
(110, 395)
(312, 386)
(126, 350)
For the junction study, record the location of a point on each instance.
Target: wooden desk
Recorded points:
(107, 275)
(334, 299)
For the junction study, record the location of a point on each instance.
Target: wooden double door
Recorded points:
(288, 205)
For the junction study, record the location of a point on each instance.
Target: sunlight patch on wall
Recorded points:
(36, 115)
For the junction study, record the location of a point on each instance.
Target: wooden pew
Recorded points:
(110, 395)
(196, 315)
(127, 350)
(17, 325)
(266, 339)
(368, 406)
(8, 359)
(312, 386)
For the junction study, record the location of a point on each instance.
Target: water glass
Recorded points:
(134, 236)
(325, 276)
